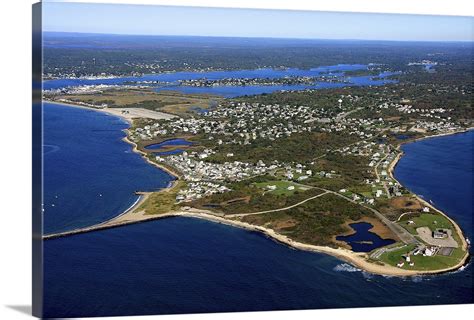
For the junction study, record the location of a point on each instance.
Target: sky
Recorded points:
(166, 20)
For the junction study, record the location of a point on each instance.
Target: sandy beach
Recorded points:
(130, 113)
(359, 260)
(127, 114)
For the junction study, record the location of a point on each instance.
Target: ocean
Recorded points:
(90, 174)
(440, 170)
(187, 265)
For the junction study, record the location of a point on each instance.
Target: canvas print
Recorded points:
(192, 160)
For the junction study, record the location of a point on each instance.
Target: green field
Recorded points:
(168, 101)
(432, 221)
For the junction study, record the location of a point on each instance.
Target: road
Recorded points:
(384, 183)
(274, 210)
(341, 116)
(401, 233)
(398, 230)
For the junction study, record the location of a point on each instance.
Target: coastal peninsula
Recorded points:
(302, 168)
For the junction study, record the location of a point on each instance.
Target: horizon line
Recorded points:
(256, 37)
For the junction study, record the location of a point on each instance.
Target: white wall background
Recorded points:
(15, 163)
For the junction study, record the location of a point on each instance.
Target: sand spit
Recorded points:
(127, 114)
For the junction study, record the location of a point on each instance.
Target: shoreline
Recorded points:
(135, 149)
(117, 112)
(131, 216)
(88, 108)
(394, 163)
(125, 139)
(356, 259)
(391, 170)
(142, 195)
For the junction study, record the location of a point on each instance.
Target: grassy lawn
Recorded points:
(162, 201)
(171, 102)
(281, 187)
(427, 220)
(422, 263)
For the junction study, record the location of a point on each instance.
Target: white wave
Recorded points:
(344, 267)
(417, 279)
(461, 269)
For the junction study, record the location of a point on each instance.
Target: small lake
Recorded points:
(363, 240)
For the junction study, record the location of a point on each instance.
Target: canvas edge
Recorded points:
(37, 163)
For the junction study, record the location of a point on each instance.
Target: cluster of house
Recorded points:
(291, 80)
(409, 109)
(197, 190)
(441, 122)
(85, 89)
(242, 123)
(193, 167)
(165, 65)
(380, 156)
(432, 126)
(179, 125)
(424, 62)
(205, 178)
(362, 128)
(78, 75)
(300, 172)
(140, 68)
(287, 80)
(251, 121)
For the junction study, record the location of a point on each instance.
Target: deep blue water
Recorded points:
(171, 142)
(233, 91)
(90, 174)
(182, 265)
(440, 170)
(362, 234)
